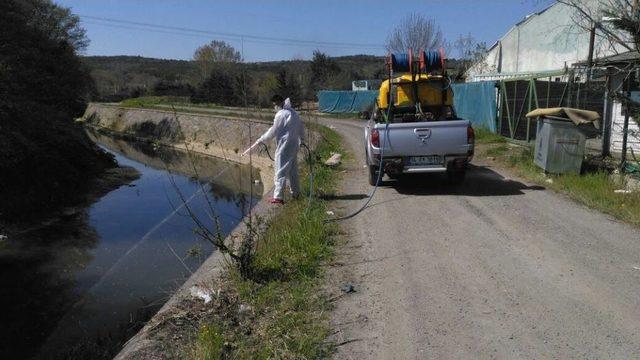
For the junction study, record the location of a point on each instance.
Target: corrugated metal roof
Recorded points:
(627, 57)
(622, 58)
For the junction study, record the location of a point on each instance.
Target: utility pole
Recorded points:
(607, 117)
(625, 128)
(592, 40)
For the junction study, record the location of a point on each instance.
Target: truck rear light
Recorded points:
(471, 135)
(375, 138)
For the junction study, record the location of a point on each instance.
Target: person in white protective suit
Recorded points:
(288, 131)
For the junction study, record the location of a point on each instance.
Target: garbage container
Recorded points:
(559, 145)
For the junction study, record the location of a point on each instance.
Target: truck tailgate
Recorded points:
(425, 138)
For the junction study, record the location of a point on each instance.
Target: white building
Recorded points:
(548, 41)
(548, 44)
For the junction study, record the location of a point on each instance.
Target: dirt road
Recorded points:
(496, 268)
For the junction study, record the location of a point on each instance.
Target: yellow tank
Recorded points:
(429, 91)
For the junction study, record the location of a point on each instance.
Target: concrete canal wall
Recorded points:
(221, 136)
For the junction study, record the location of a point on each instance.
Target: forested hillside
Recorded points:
(120, 77)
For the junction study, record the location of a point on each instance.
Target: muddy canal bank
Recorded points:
(82, 284)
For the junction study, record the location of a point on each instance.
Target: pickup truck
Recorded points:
(430, 140)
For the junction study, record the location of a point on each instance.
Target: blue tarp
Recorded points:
(476, 102)
(473, 101)
(346, 101)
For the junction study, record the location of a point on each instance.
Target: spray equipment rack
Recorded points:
(403, 68)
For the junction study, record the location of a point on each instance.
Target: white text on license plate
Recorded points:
(425, 160)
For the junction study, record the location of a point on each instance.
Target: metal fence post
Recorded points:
(515, 107)
(498, 119)
(570, 90)
(505, 101)
(531, 85)
(625, 127)
(548, 91)
(607, 116)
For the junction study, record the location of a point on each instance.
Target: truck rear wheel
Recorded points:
(373, 175)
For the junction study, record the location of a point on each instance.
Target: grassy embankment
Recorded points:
(593, 189)
(145, 101)
(165, 102)
(289, 310)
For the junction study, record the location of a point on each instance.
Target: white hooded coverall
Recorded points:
(288, 131)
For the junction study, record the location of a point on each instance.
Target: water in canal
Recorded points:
(79, 286)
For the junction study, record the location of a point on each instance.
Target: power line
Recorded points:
(236, 36)
(129, 27)
(143, 29)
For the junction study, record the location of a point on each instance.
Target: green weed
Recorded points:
(290, 320)
(210, 343)
(484, 136)
(497, 150)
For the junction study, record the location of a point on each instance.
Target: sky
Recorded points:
(281, 30)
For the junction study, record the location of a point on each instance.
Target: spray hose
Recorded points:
(265, 148)
(379, 177)
(310, 162)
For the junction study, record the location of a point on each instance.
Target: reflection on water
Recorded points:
(81, 285)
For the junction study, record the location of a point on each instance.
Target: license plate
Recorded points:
(425, 160)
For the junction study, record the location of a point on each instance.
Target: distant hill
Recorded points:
(119, 77)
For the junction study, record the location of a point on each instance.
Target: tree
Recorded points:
(170, 88)
(58, 23)
(416, 32)
(265, 88)
(288, 86)
(322, 67)
(617, 21)
(464, 46)
(218, 88)
(215, 53)
(38, 65)
(469, 53)
(43, 86)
